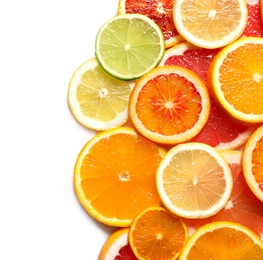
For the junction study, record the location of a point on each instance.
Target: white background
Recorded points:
(41, 45)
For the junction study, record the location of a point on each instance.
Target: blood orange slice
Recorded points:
(160, 11)
(243, 206)
(220, 131)
(169, 105)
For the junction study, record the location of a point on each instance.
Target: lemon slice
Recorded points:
(129, 45)
(194, 180)
(96, 99)
(209, 23)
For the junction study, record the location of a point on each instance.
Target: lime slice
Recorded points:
(129, 45)
(96, 99)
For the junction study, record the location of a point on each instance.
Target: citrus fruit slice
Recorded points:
(160, 11)
(129, 45)
(208, 23)
(157, 234)
(220, 131)
(235, 78)
(114, 175)
(169, 105)
(252, 162)
(96, 99)
(254, 25)
(243, 206)
(223, 240)
(194, 180)
(117, 246)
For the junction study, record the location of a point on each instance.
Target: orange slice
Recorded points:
(117, 246)
(252, 162)
(223, 240)
(169, 105)
(114, 175)
(235, 77)
(194, 180)
(160, 11)
(208, 23)
(156, 234)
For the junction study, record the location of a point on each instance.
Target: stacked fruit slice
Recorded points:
(186, 170)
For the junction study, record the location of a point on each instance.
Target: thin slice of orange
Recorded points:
(114, 175)
(208, 23)
(157, 234)
(194, 180)
(169, 105)
(235, 78)
(223, 240)
(160, 11)
(117, 246)
(252, 162)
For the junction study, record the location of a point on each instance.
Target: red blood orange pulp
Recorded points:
(243, 206)
(254, 24)
(220, 130)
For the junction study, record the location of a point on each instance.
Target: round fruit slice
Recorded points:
(208, 23)
(252, 162)
(242, 207)
(117, 246)
(220, 130)
(235, 77)
(97, 100)
(194, 180)
(114, 175)
(160, 11)
(129, 45)
(157, 234)
(169, 105)
(223, 240)
(254, 25)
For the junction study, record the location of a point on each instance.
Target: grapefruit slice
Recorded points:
(254, 25)
(220, 130)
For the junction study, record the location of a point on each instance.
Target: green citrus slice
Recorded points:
(96, 99)
(129, 45)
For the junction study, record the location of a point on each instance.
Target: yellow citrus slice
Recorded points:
(235, 78)
(223, 240)
(114, 175)
(96, 99)
(194, 180)
(252, 162)
(208, 23)
(157, 234)
(169, 105)
(129, 45)
(117, 246)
